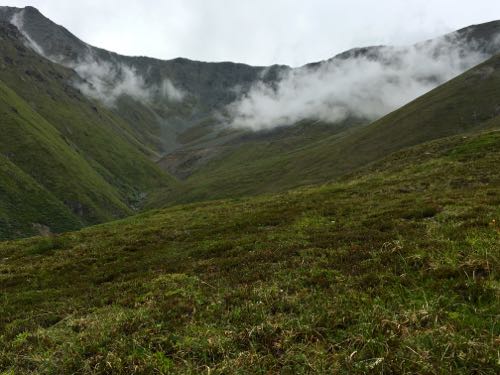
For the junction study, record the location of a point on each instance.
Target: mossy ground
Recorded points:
(393, 270)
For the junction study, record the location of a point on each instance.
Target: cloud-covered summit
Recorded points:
(363, 83)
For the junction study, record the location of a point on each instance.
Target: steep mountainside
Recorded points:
(467, 103)
(78, 151)
(25, 205)
(86, 123)
(209, 84)
(394, 271)
(192, 126)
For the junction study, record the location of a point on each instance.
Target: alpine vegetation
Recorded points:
(223, 218)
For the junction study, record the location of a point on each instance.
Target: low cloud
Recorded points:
(365, 83)
(18, 21)
(106, 80)
(167, 89)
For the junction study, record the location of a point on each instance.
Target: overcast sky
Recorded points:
(258, 32)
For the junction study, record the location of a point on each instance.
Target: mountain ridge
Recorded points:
(208, 86)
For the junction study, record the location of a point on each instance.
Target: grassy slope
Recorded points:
(106, 141)
(37, 148)
(28, 204)
(392, 271)
(243, 166)
(464, 104)
(78, 151)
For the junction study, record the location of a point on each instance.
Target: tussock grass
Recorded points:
(394, 270)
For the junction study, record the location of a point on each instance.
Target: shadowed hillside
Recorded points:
(29, 204)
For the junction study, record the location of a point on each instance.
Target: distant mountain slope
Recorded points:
(78, 151)
(159, 121)
(395, 271)
(360, 85)
(468, 103)
(111, 115)
(167, 124)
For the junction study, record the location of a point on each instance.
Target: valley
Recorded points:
(180, 216)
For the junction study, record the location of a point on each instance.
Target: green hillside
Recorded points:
(317, 248)
(466, 103)
(104, 138)
(41, 152)
(392, 271)
(29, 207)
(209, 87)
(79, 152)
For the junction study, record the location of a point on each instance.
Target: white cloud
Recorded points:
(168, 90)
(18, 21)
(357, 86)
(106, 81)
